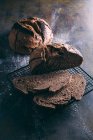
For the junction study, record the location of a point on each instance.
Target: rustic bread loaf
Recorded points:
(54, 57)
(29, 33)
(74, 89)
(51, 82)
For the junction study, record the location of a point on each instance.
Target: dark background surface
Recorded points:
(20, 118)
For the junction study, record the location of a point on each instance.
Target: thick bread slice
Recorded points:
(35, 83)
(75, 89)
(54, 57)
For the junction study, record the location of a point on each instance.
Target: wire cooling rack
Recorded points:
(26, 71)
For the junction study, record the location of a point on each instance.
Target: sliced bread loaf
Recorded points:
(35, 83)
(75, 89)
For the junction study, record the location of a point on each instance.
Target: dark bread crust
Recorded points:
(54, 57)
(29, 33)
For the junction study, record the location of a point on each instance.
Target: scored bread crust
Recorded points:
(51, 82)
(29, 33)
(54, 57)
(75, 89)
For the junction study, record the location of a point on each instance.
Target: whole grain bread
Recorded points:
(51, 82)
(29, 33)
(75, 89)
(54, 57)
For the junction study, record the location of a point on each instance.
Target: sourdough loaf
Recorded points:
(54, 57)
(29, 33)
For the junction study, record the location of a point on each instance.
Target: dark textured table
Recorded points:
(20, 118)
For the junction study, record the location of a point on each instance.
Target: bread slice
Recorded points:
(51, 82)
(54, 57)
(75, 89)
